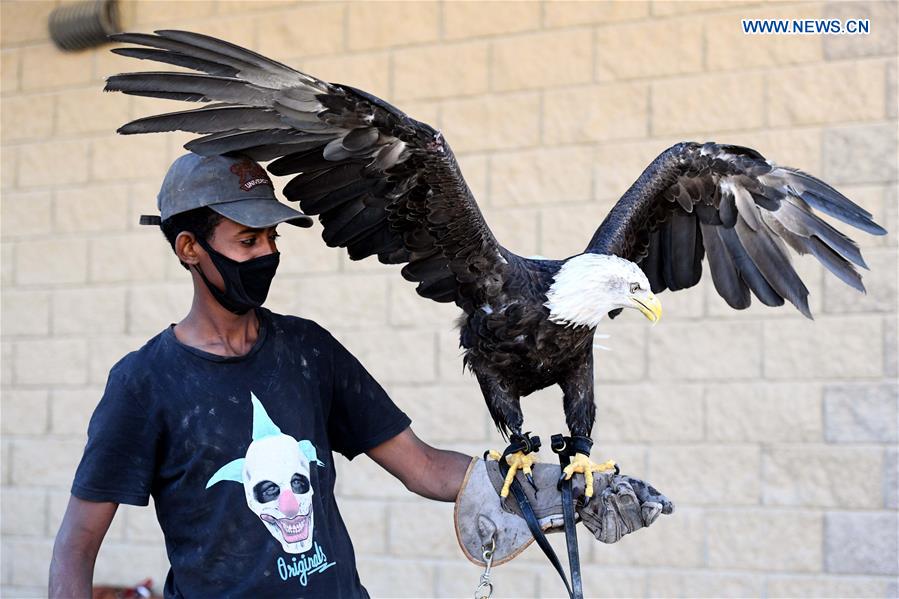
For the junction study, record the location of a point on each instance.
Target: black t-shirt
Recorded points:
(236, 452)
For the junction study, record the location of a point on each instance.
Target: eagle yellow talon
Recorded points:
(516, 461)
(581, 463)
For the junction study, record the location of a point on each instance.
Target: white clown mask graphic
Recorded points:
(276, 479)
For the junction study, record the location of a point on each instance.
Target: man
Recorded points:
(229, 419)
(233, 383)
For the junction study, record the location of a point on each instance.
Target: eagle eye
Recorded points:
(635, 287)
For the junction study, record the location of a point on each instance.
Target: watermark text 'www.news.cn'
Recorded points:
(806, 26)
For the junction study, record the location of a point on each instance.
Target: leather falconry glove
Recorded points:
(620, 505)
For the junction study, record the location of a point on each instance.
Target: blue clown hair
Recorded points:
(263, 427)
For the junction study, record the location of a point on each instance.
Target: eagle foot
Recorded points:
(583, 464)
(518, 457)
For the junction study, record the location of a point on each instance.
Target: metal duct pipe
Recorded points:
(83, 24)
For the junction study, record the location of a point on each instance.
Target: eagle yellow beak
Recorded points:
(649, 305)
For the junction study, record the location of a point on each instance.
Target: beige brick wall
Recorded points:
(775, 436)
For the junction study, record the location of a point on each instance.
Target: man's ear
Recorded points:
(187, 249)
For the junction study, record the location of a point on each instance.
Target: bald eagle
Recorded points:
(384, 184)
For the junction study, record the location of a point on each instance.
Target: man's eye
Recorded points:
(274, 236)
(249, 242)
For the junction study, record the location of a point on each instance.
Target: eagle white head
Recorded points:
(589, 286)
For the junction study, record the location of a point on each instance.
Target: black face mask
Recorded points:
(246, 283)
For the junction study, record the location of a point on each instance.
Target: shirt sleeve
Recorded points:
(120, 455)
(362, 415)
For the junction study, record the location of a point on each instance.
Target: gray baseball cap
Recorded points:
(234, 186)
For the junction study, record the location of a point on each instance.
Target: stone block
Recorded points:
(492, 122)
(29, 560)
(134, 257)
(48, 463)
(891, 478)
(370, 71)
(71, 409)
(516, 229)
(562, 13)
(457, 578)
(349, 302)
(153, 307)
(27, 118)
(129, 157)
(24, 412)
(597, 113)
(46, 67)
(827, 347)
(765, 539)
(626, 359)
(421, 529)
(735, 347)
(861, 543)
(475, 19)
(859, 154)
(815, 476)
(865, 413)
(728, 48)
(402, 357)
(539, 60)
(449, 358)
(52, 163)
(106, 350)
(800, 148)
(724, 475)
(532, 176)
(9, 71)
(444, 413)
(115, 563)
(51, 361)
(763, 412)
(388, 577)
(566, 229)
(704, 584)
(81, 111)
(89, 311)
(643, 413)
(26, 214)
(890, 360)
(93, 209)
(673, 541)
(820, 587)
(880, 282)
(25, 21)
(26, 313)
(366, 521)
(7, 353)
(880, 41)
(391, 24)
(408, 309)
(278, 36)
(670, 47)
(23, 511)
(153, 12)
(826, 93)
(140, 523)
(365, 479)
(9, 160)
(304, 252)
(462, 72)
(617, 165)
(707, 103)
(891, 85)
(663, 8)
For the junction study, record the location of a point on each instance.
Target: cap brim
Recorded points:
(261, 213)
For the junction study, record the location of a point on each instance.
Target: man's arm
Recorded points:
(425, 470)
(77, 543)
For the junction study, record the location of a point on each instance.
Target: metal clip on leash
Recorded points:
(485, 587)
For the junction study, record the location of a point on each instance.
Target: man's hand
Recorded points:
(620, 505)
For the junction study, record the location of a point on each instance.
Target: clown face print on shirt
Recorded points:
(275, 473)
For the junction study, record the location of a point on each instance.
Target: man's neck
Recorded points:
(211, 328)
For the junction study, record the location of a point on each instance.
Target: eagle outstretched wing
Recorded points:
(742, 211)
(382, 183)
